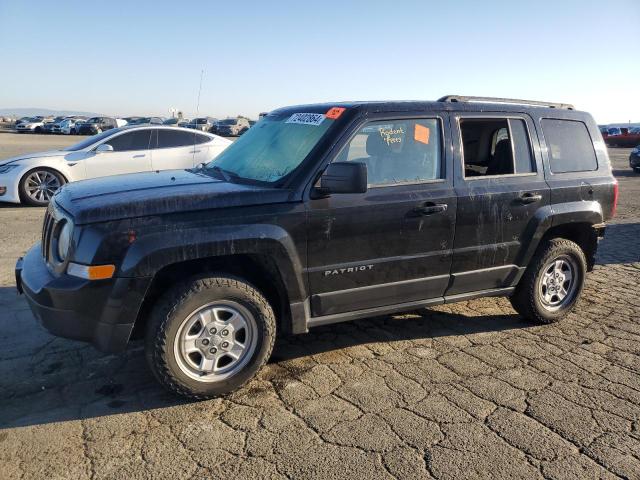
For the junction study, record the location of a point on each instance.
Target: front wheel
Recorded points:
(552, 283)
(209, 336)
(39, 185)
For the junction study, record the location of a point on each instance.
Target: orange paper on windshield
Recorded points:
(421, 134)
(335, 112)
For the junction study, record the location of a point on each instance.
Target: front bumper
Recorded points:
(101, 312)
(634, 161)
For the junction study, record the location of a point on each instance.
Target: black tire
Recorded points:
(38, 130)
(527, 299)
(177, 305)
(22, 187)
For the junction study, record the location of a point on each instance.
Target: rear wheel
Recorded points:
(209, 336)
(552, 283)
(39, 185)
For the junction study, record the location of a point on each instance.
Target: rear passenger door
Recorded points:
(391, 244)
(500, 184)
(178, 149)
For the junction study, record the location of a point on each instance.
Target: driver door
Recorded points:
(391, 244)
(131, 154)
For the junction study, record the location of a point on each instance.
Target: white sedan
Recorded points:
(35, 177)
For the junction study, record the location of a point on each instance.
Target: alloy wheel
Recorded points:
(557, 285)
(41, 185)
(216, 341)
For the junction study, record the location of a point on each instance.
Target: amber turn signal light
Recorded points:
(91, 272)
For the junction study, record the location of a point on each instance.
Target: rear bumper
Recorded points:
(99, 312)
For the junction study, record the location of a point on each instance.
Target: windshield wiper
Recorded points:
(225, 174)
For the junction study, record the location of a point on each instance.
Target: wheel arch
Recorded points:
(258, 269)
(574, 221)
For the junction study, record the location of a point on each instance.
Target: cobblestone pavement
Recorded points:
(460, 391)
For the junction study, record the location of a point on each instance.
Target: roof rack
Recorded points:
(513, 101)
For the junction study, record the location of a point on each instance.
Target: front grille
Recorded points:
(47, 233)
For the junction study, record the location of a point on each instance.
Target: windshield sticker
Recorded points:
(421, 134)
(335, 112)
(306, 118)
(391, 135)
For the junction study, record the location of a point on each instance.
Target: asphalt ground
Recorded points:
(469, 390)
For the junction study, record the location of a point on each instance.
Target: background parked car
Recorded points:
(23, 120)
(634, 159)
(49, 127)
(97, 125)
(176, 122)
(32, 125)
(233, 126)
(203, 124)
(146, 121)
(34, 178)
(68, 125)
(622, 136)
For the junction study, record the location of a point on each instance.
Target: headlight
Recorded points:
(64, 241)
(6, 168)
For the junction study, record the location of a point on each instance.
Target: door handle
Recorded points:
(139, 156)
(527, 198)
(430, 208)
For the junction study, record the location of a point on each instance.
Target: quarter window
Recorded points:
(397, 151)
(570, 146)
(137, 140)
(495, 146)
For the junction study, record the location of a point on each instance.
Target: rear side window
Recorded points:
(570, 146)
(199, 138)
(175, 138)
(495, 147)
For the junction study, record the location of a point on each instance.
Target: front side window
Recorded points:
(495, 146)
(274, 147)
(569, 145)
(397, 151)
(137, 140)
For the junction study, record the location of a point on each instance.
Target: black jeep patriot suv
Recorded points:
(321, 214)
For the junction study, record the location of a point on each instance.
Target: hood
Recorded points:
(51, 153)
(156, 193)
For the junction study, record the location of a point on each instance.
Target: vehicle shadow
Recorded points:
(45, 379)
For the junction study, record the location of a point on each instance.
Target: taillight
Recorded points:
(615, 198)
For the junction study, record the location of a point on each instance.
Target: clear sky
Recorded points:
(144, 57)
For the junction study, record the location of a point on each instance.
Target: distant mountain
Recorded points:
(30, 112)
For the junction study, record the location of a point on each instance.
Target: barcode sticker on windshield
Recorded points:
(306, 118)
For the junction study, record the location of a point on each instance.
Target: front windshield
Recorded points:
(94, 120)
(87, 142)
(171, 121)
(200, 121)
(274, 147)
(228, 121)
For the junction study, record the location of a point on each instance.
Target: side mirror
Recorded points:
(343, 177)
(104, 147)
